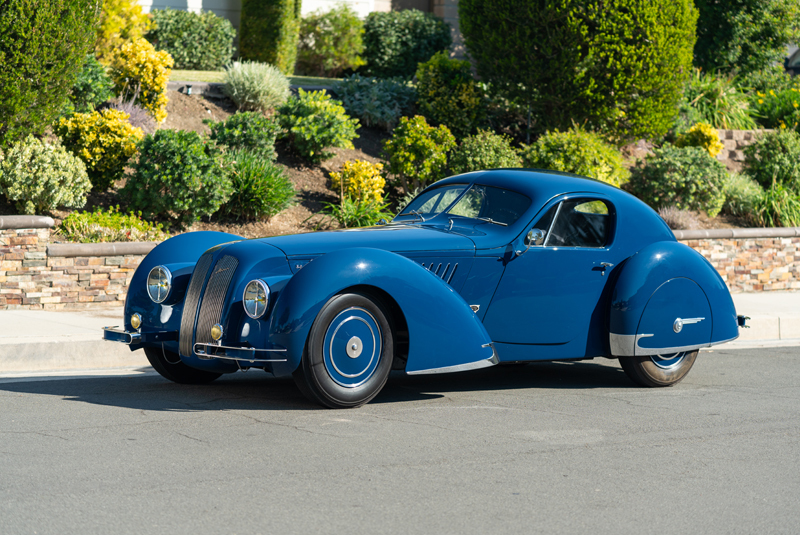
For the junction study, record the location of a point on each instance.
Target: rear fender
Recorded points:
(444, 333)
(668, 298)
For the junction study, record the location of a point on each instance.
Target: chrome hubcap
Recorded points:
(352, 347)
(668, 362)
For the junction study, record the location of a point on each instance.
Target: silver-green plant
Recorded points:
(741, 194)
(376, 101)
(255, 86)
(39, 177)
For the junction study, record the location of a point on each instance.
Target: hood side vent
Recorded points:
(443, 271)
(191, 302)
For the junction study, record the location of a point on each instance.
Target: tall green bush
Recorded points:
(330, 42)
(200, 41)
(91, 88)
(617, 65)
(417, 153)
(744, 35)
(42, 50)
(448, 94)
(179, 176)
(396, 41)
(270, 30)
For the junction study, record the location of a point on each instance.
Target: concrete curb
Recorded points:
(70, 355)
(737, 233)
(26, 221)
(214, 89)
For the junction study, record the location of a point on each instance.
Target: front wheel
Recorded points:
(658, 370)
(170, 366)
(348, 354)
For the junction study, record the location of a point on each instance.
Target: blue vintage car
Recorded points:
(479, 269)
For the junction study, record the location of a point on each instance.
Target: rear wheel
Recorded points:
(170, 366)
(348, 354)
(658, 370)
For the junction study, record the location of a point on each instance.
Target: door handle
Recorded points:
(604, 266)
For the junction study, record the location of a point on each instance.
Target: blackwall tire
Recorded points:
(170, 366)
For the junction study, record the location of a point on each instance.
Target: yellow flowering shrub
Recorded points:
(701, 135)
(139, 70)
(779, 109)
(121, 21)
(360, 180)
(103, 140)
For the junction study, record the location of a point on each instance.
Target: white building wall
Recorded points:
(229, 9)
(362, 7)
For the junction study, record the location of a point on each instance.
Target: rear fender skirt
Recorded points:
(444, 333)
(668, 298)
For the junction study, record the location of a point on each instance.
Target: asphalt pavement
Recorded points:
(38, 341)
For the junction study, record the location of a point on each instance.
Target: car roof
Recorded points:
(538, 184)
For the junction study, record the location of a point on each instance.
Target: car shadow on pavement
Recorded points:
(258, 391)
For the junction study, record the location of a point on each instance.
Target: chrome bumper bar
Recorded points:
(116, 334)
(250, 355)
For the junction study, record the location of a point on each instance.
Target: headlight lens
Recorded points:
(256, 298)
(159, 283)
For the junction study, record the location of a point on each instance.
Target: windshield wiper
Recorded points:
(490, 220)
(416, 213)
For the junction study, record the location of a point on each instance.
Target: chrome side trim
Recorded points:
(118, 334)
(491, 361)
(627, 345)
(239, 354)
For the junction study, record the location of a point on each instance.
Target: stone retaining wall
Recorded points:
(38, 275)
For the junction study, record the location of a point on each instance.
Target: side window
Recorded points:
(581, 223)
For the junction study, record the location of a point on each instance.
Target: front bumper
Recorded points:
(250, 355)
(117, 334)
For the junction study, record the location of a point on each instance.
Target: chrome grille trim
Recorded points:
(191, 302)
(214, 298)
(446, 275)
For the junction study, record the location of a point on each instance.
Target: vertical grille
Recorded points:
(214, 297)
(190, 303)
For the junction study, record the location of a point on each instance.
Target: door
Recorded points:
(550, 302)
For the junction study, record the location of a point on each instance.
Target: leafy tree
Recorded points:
(330, 42)
(43, 44)
(616, 65)
(744, 35)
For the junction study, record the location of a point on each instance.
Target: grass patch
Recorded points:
(218, 77)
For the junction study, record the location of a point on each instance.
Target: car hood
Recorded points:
(398, 239)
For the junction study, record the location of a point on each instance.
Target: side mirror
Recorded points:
(533, 237)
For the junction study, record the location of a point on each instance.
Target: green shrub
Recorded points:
(777, 207)
(484, 150)
(360, 180)
(42, 50)
(718, 101)
(779, 109)
(772, 77)
(417, 153)
(617, 66)
(255, 86)
(197, 41)
(91, 88)
(774, 158)
(313, 122)
(330, 42)
(353, 213)
(103, 140)
(270, 30)
(179, 176)
(142, 73)
(396, 41)
(261, 188)
(580, 152)
(121, 21)
(687, 178)
(741, 194)
(246, 131)
(376, 101)
(110, 226)
(744, 35)
(38, 177)
(448, 94)
(701, 135)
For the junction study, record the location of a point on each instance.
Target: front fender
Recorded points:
(444, 333)
(663, 283)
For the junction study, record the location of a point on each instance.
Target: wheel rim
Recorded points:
(669, 362)
(352, 347)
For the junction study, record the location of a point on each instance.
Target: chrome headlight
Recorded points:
(159, 283)
(256, 298)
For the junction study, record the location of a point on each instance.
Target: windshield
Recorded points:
(432, 202)
(495, 205)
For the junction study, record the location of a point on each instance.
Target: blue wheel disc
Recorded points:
(352, 347)
(667, 362)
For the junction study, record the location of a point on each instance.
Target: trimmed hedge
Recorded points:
(270, 31)
(198, 41)
(396, 41)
